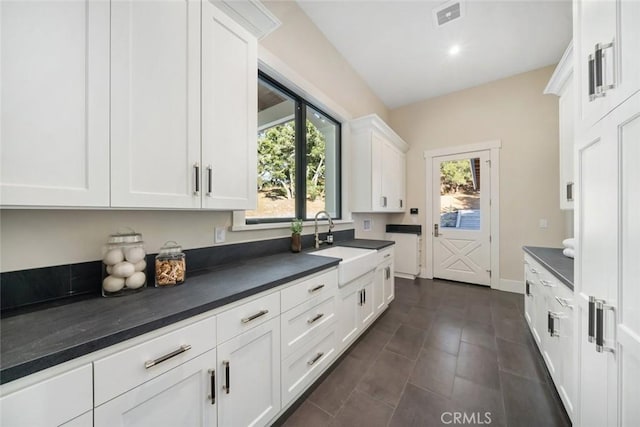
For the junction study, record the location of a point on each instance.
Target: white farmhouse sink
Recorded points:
(355, 262)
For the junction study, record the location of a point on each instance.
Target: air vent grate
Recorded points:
(447, 12)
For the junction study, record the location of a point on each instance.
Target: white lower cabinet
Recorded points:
(301, 368)
(56, 400)
(184, 395)
(354, 311)
(549, 312)
(237, 366)
(386, 263)
(249, 377)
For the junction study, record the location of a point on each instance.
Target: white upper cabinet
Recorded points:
(155, 104)
(55, 103)
(229, 112)
(128, 104)
(561, 84)
(184, 105)
(378, 164)
(607, 42)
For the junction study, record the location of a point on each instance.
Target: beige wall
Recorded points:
(37, 238)
(515, 111)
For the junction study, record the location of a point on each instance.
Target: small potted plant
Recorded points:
(296, 238)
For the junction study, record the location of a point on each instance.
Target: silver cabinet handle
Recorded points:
(591, 335)
(196, 171)
(316, 317)
(227, 377)
(168, 356)
(600, 308)
(255, 316)
(592, 82)
(387, 255)
(400, 202)
(383, 201)
(209, 180)
(315, 288)
(569, 191)
(315, 359)
(212, 377)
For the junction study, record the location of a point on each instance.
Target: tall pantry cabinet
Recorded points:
(607, 291)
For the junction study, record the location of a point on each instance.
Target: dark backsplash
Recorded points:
(37, 286)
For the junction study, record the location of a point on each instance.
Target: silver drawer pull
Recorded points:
(315, 359)
(317, 317)
(387, 255)
(564, 302)
(316, 288)
(255, 316)
(161, 359)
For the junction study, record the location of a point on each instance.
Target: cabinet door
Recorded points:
(566, 114)
(155, 104)
(379, 198)
(54, 136)
(348, 323)
(393, 177)
(605, 22)
(529, 302)
(551, 349)
(389, 282)
(367, 309)
(229, 112)
(379, 300)
(249, 367)
(179, 397)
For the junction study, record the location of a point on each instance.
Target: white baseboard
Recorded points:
(405, 275)
(509, 285)
(423, 274)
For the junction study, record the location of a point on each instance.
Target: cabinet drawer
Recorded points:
(120, 372)
(385, 254)
(318, 286)
(301, 368)
(246, 316)
(49, 402)
(305, 322)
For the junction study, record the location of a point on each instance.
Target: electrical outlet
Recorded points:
(220, 235)
(367, 224)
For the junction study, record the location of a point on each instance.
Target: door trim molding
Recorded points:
(493, 147)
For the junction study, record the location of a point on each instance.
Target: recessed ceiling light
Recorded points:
(454, 50)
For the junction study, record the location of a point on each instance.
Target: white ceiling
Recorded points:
(400, 52)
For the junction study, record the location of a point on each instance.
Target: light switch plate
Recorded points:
(220, 235)
(543, 223)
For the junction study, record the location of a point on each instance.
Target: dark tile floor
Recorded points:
(442, 350)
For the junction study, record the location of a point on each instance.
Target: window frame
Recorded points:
(300, 118)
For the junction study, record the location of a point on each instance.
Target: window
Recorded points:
(298, 157)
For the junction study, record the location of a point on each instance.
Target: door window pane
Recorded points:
(323, 163)
(276, 154)
(460, 194)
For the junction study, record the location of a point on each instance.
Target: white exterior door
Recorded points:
(607, 269)
(155, 104)
(229, 108)
(249, 377)
(462, 218)
(54, 136)
(181, 396)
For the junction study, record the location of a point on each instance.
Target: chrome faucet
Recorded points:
(329, 239)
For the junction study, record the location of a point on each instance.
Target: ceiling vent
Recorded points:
(447, 12)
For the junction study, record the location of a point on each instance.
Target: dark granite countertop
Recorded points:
(38, 340)
(553, 260)
(367, 244)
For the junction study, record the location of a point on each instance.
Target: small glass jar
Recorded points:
(124, 264)
(171, 267)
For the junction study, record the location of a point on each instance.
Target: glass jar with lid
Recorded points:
(171, 266)
(124, 264)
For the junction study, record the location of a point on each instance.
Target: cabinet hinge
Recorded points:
(488, 162)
